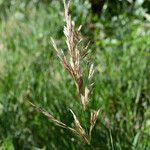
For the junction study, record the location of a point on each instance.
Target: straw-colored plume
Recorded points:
(71, 61)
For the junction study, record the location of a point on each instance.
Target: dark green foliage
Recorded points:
(118, 7)
(29, 68)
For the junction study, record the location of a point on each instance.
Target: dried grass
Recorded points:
(73, 66)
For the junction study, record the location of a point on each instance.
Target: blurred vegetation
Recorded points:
(120, 46)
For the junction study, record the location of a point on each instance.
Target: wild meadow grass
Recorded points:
(30, 69)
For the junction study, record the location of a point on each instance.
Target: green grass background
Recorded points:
(120, 50)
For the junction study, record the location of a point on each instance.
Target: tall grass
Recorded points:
(119, 48)
(73, 65)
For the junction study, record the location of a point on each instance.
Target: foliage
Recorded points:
(29, 66)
